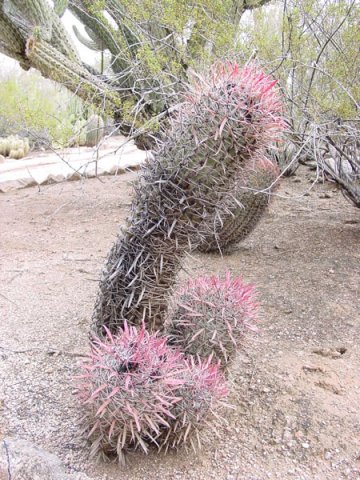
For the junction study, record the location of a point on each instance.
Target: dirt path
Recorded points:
(296, 388)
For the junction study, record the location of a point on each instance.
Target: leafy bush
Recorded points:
(38, 108)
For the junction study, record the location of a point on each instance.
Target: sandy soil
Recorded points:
(296, 386)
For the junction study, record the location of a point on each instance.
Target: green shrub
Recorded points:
(34, 107)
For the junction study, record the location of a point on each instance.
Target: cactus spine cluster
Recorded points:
(14, 147)
(210, 318)
(226, 117)
(139, 391)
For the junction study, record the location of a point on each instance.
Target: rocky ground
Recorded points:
(295, 387)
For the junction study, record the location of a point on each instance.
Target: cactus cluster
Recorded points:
(139, 391)
(139, 388)
(14, 147)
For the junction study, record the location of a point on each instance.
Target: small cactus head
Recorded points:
(94, 130)
(139, 391)
(17, 154)
(128, 388)
(211, 317)
(202, 392)
(14, 147)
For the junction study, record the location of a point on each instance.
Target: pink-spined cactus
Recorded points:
(257, 108)
(202, 393)
(228, 115)
(210, 317)
(137, 391)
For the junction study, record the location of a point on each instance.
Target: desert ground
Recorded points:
(295, 388)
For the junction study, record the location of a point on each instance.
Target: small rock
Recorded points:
(29, 462)
(305, 445)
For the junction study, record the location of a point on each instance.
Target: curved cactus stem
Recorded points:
(249, 200)
(11, 41)
(181, 190)
(75, 77)
(116, 11)
(60, 6)
(98, 24)
(96, 45)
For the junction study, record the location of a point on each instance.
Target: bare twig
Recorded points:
(48, 351)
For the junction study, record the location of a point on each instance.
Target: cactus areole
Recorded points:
(226, 116)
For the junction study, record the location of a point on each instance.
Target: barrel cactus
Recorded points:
(79, 138)
(226, 117)
(210, 317)
(287, 158)
(14, 147)
(137, 391)
(247, 203)
(201, 396)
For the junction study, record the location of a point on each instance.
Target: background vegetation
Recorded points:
(149, 50)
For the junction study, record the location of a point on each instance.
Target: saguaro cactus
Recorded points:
(226, 117)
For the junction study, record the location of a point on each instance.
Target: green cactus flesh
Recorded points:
(249, 199)
(94, 130)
